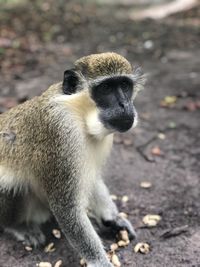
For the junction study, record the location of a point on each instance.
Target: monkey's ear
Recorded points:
(70, 82)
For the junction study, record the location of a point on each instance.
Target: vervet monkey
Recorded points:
(53, 149)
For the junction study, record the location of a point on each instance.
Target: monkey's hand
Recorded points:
(106, 213)
(119, 224)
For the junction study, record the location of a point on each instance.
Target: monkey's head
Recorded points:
(112, 85)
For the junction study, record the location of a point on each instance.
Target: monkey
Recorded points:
(53, 149)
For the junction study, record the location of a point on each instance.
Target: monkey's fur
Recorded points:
(52, 150)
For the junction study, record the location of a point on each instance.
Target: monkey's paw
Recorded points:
(30, 235)
(121, 224)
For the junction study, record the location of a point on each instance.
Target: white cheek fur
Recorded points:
(94, 126)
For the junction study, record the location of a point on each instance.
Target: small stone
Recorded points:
(148, 44)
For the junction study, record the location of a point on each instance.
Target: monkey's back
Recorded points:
(32, 136)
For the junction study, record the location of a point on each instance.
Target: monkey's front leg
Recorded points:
(105, 211)
(75, 224)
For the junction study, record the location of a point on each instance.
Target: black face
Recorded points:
(113, 98)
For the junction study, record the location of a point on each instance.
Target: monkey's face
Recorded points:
(114, 98)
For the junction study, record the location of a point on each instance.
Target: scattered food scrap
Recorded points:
(123, 215)
(58, 263)
(168, 101)
(161, 136)
(115, 260)
(156, 151)
(114, 197)
(145, 184)
(125, 199)
(27, 248)
(114, 246)
(141, 247)
(49, 248)
(83, 263)
(151, 220)
(44, 264)
(56, 233)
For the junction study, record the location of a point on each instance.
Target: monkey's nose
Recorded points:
(122, 124)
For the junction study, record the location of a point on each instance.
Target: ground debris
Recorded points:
(83, 263)
(141, 247)
(44, 264)
(156, 151)
(145, 184)
(56, 233)
(168, 101)
(125, 199)
(123, 215)
(49, 248)
(113, 197)
(175, 231)
(151, 220)
(114, 246)
(58, 263)
(115, 260)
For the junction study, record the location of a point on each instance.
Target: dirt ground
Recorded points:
(39, 41)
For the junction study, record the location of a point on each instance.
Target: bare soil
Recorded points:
(42, 40)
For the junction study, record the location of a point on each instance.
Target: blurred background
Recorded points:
(40, 39)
